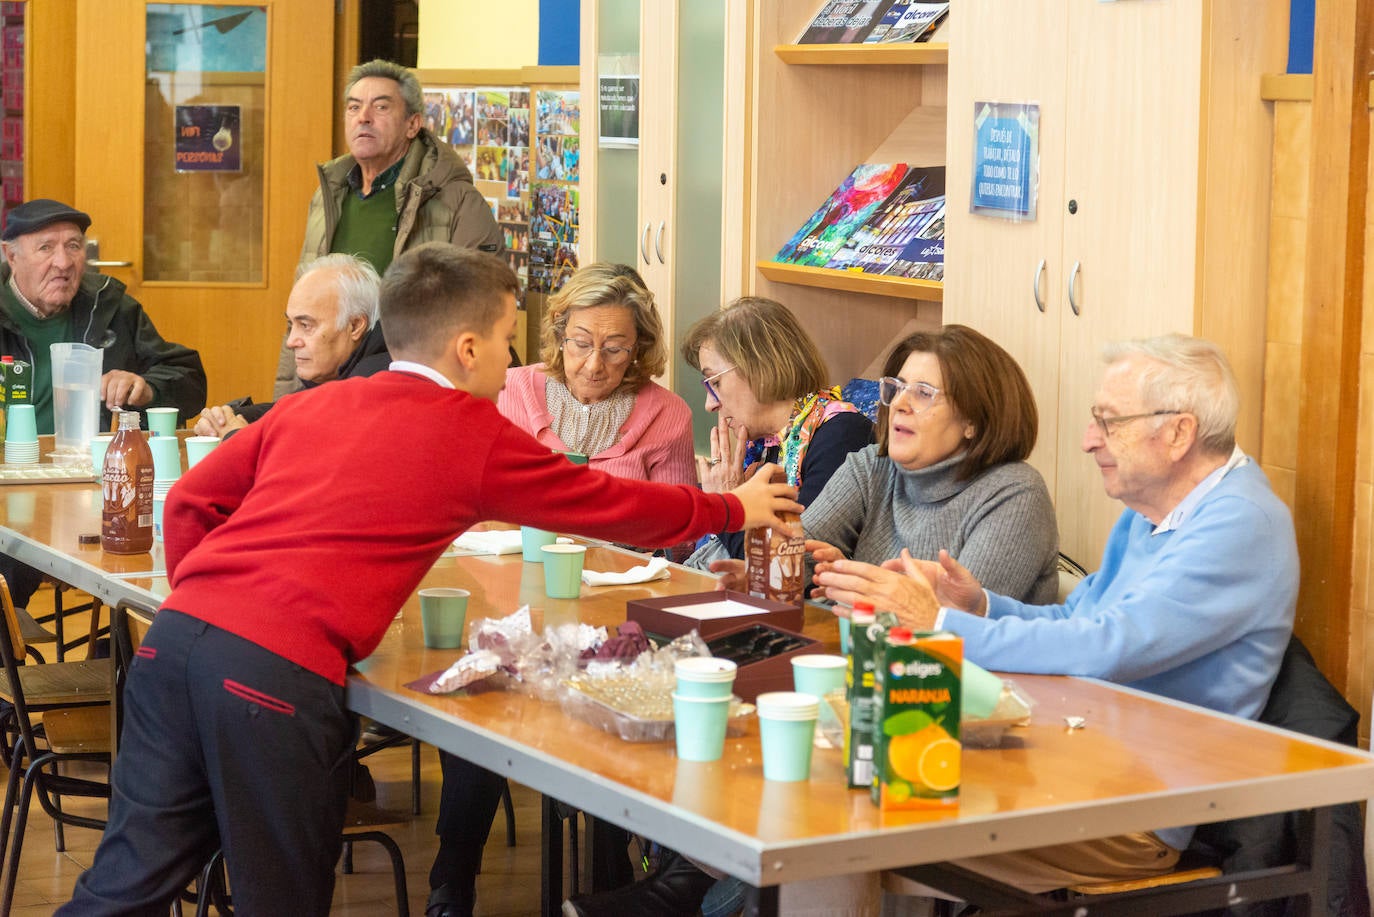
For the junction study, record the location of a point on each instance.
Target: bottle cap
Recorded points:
(864, 606)
(87, 538)
(899, 635)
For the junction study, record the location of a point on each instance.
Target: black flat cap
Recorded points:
(32, 216)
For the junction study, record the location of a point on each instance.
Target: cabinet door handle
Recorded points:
(1073, 287)
(1035, 285)
(644, 243)
(658, 243)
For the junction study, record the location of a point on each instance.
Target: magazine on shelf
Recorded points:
(848, 207)
(923, 255)
(914, 211)
(908, 21)
(844, 21)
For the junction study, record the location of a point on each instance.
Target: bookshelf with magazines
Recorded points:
(813, 113)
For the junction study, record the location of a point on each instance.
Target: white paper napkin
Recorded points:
(656, 568)
(498, 541)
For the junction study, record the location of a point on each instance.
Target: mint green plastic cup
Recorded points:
(21, 425)
(979, 691)
(531, 540)
(563, 570)
(166, 458)
(818, 675)
(197, 447)
(162, 421)
(699, 724)
(787, 726)
(705, 677)
(845, 643)
(443, 613)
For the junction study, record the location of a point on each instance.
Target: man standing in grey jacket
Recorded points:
(397, 186)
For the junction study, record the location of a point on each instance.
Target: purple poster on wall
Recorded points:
(208, 138)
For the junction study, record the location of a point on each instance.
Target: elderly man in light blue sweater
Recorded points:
(1194, 599)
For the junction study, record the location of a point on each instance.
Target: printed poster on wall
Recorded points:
(208, 138)
(1006, 160)
(618, 98)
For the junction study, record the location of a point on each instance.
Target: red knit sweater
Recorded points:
(304, 532)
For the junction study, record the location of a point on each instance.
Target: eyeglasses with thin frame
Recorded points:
(1106, 424)
(710, 388)
(920, 394)
(610, 355)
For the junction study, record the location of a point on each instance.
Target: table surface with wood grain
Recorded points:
(1139, 762)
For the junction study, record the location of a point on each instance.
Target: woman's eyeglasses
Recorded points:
(610, 355)
(921, 394)
(711, 389)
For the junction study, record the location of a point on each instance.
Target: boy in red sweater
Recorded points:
(289, 550)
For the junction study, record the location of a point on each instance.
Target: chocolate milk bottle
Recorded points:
(773, 559)
(127, 524)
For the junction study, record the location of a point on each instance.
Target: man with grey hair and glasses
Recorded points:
(396, 187)
(332, 332)
(1193, 600)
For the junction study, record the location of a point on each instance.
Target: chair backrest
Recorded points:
(12, 628)
(1070, 573)
(12, 652)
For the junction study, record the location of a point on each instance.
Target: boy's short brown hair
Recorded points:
(437, 290)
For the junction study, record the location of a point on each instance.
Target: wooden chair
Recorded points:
(73, 698)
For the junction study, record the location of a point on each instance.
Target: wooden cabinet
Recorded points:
(1152, 206)
(809, 115)
(658, 206)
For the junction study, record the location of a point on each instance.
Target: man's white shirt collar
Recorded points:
(1179, 514)
(420, 369)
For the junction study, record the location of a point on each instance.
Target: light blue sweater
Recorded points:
(1200, 614)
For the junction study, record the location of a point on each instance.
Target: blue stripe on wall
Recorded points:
(1300, 35)
(559, 32)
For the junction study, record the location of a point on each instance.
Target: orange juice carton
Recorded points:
(916, 689)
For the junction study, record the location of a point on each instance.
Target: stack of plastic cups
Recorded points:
(166, 470)
(21, 435)
(100, 443)
(701, 706)
(787, 722)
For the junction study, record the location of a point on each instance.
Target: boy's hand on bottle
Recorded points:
(766, 503)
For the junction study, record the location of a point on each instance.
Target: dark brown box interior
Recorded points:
(657, 616)
(774, 672)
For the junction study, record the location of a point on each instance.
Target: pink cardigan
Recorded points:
(655, 443)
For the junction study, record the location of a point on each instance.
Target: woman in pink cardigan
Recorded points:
(602, 344)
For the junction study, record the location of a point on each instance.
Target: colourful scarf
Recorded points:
(792, 440)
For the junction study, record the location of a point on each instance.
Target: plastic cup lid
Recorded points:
(787, 705)
(821, 661)
(700, 700)
(705, 669)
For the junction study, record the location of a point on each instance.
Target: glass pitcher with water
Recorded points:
(75, 395)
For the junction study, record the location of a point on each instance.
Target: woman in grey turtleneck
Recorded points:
(948, 471)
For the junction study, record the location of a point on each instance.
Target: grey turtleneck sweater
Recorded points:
(1000, 525)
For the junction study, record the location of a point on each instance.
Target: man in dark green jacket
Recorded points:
(48, 298)
(397, 186)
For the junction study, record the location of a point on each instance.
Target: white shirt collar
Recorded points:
(1185, 508)
(420, 369)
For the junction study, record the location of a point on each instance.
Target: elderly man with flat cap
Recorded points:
(46, 297)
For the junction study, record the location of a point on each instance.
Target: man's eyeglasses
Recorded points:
(611, 356)
(921, 394)
(1106, 424)
(711, 389)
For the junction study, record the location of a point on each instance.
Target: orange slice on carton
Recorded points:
(938, 767)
